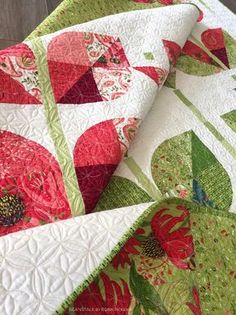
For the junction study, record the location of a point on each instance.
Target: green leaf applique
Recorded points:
(230, 119)
(184, 167)
(145, 294)
(190, 65)
(230, 44)
(121, 192)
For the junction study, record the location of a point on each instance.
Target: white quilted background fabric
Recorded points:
(40, 267)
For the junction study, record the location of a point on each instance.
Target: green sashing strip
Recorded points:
(56, 132)
(145, 182)
(206, 123)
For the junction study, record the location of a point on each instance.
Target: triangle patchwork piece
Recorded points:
(83, 91)
(114, 57)
(156, 74)
(13, 92)
(64, 76)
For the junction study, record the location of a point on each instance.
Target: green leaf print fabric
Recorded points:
(161, 240)
(129, 194)
(184, 166)
(197, 279)
(230, 119)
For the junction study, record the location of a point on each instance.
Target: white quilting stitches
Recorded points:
(49, 262)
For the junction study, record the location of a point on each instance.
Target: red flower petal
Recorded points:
(192, 50)
(98, 145)
(129, 248)
(109, 291)
(92, 300)
(29, 171)
(213, 39)
(173, 50)
(98, 152)
(179, 250)
(196, 296)
(195, 308)
(201, 16)
(166, 2)
(175, 239)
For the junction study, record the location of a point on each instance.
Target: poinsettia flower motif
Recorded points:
(174, 239)
(196, 306)
(173, 50)
(31, 185)
(123, 257)
(98, 152)
(116, 299)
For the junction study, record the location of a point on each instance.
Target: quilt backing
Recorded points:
(158, 236)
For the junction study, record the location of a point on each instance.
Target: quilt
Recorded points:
(117, 164)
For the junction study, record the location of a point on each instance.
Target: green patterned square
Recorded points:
(149, 56)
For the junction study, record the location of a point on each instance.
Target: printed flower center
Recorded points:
(152, 248)
(11, 210)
